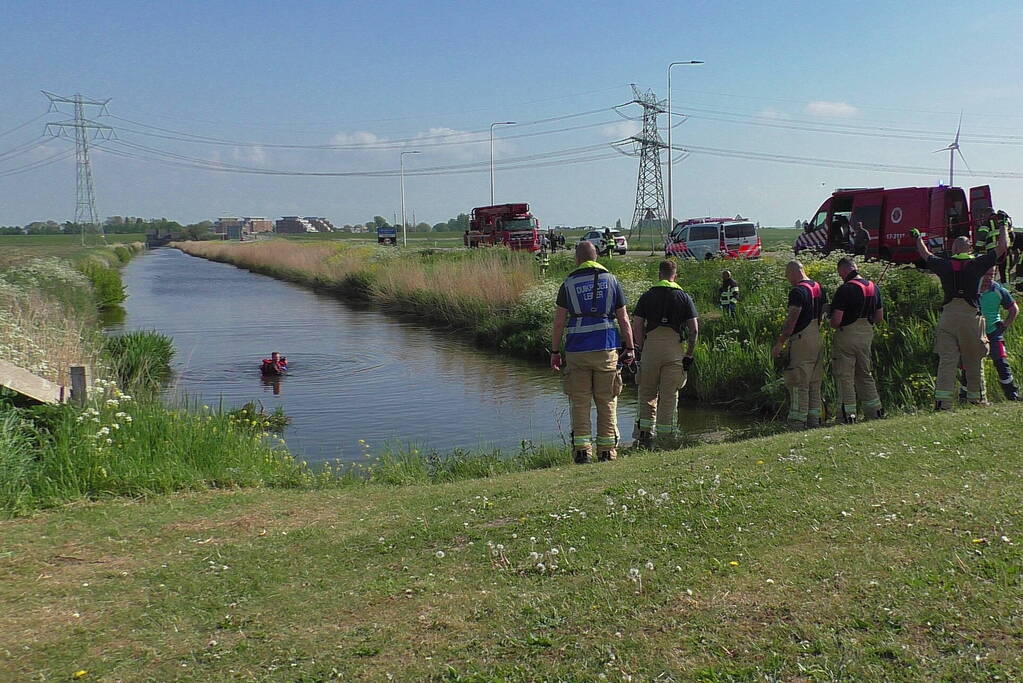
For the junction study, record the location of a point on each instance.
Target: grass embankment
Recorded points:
(887, 551)
(504, 301)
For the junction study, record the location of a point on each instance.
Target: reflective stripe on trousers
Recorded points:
(960, 334)
(804, 372)
(591, 378)
(851, 365)
(661, 375)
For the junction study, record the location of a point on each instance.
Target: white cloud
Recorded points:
(621, 129)
(250, 155)
(772, 113)
(359, 137)
(831, 109)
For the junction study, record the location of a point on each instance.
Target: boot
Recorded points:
(874, 413)
(645, 440)
(606, 456)
(942, 406)
(1011, 391)
(581, 456)
(813, 422)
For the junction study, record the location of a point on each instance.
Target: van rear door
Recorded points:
(980, 208)
(867, 210)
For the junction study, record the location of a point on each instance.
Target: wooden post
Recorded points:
(79, 385)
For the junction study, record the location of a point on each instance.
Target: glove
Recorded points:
(687, 363)
(914, 233)
(628, 357)
(556, 362)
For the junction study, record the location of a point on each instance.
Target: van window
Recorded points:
(703, 232)
(819, 220)
(738, 230)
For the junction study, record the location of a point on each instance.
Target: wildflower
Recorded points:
(633, 574)
(571, 550)
(534, 556)
(500, 547)
(649, 565)
(439, 554)
(532, 539)
(733, 563)
(554, 551)
(81, 673)
(640, 493)
(541, 568)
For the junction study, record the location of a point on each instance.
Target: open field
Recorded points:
(16, 249)
(886, 551)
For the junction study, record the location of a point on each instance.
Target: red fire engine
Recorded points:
(876, 222)
(509, 224)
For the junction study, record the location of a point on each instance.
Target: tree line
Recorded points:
(459, 223)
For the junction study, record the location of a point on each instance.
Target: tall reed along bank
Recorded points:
(504, 301)
(124, 441)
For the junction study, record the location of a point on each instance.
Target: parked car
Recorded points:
(596, 237)
(731, 239)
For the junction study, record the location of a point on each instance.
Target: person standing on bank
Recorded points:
(993, 298)
(855, 309)
(663, 315)
(960, 331)
(804, 369)
(728, 293)
(589, 303)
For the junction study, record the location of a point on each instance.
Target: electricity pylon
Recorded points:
(84, 131)
(649, 211)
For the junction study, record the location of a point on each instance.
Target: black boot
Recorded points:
(1011, 391)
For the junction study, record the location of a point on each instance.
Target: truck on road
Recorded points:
(387, 235)
(875, 222)
(509, 224)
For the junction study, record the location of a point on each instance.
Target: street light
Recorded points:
(401, 163)
(671, 218)
(499, 123)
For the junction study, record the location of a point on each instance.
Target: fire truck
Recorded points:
(875, 222)
(509, 224)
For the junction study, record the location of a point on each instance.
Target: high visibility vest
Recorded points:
(729, 295)
(987, 236)
(590, 300)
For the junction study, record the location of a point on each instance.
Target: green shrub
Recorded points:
(140, 360)
(107, 286)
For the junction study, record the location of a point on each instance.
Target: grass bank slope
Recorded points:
(884, 551)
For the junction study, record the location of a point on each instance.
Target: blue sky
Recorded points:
(778, 77)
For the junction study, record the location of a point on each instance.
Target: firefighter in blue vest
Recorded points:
(664, 315)
(802, 332)
(590, 302)
(728, 293)
(855, 310)
(960, 333)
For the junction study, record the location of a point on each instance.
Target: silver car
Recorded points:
(596, 237)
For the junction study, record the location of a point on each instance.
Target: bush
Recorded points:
(107, 286)
(140, 360)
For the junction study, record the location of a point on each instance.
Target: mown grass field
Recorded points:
(16, 249)
(884, 551)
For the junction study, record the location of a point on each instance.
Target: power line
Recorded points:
(22, 125)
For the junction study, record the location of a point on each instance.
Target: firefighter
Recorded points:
(663, 315)
(804, 367)
(987, 237)
(960, 331)
(993, 298)
(543, 260)
(589, 303)
(855, 309)
(728, 293)
(607, 243)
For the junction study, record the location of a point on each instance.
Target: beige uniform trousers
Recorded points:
(850, 363)
(660, 377)
(960, 334)
(804, 373)
(588, 378)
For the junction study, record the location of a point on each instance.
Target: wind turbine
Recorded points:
(952, 149)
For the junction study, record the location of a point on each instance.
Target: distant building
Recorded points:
(235, 227)
(299, 224)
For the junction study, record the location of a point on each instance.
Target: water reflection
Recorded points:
(353, 374)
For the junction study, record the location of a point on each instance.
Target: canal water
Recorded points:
(355, 376)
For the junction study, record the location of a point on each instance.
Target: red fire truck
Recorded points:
(509, 224)
(876, 222)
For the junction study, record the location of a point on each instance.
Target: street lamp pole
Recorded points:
(401, 174)
(671, 218)
(499, 123)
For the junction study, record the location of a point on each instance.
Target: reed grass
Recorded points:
(140, 360)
